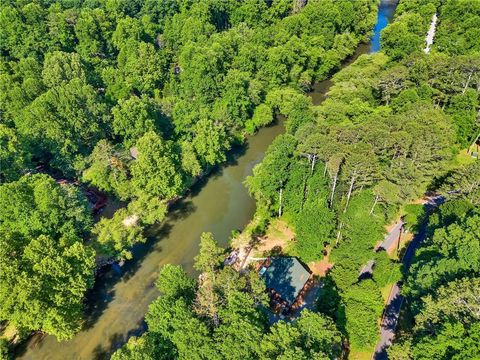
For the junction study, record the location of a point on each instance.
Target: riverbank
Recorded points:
(120, 297)
(217, 203)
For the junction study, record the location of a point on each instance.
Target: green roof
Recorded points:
(287, 276)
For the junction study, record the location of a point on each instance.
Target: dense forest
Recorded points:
(394, 125)
(442, 319)
(139, 99)
(391, 129)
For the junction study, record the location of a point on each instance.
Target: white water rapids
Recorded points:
(431, 33)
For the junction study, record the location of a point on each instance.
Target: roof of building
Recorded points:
(287, 276)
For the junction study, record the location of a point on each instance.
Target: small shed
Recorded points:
(287, 277)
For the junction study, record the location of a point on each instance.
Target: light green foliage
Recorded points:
(150, 210)
(399, 41)
(140, 68)
(72, 119)
(190, 162)
(451, 252)
(127, 28)
(147, 347)
(174, 282)
(277, 161)
(43, 286)
(234, 327)
(414, 216)
(385, 270)
(359, 233)
(156, 169)
(386, 132)
(406, 35)
(458, 30)
(442, 289)
(176, 82)
(36, 205)
(312, 336)
(107, 168)
(117, 235)
(462, 108)
(261, 116)
(210, 142)
(132, 118)
(315, 222)
(93, 30)
(210, 254)
(363, 307)
(44, 267)
(60, 67)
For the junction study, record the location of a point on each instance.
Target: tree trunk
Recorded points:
(325, 169)
(339, 234)
(468, 83)
(334, 185)
(280, 203)
(374, 203)
(305, 191)
(313, 162)
(352, 182)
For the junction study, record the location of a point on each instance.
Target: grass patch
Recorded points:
(360, 355)
(463, 158)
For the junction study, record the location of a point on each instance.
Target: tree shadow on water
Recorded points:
(116, 341)
(102, 293)
(216, 171)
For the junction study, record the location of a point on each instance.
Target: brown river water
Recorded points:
(120, 298)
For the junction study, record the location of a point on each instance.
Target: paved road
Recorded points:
(393, 236)
(395, 299)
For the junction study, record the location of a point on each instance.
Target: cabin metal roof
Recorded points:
(287, 276)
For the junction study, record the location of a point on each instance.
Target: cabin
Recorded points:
(287, 280)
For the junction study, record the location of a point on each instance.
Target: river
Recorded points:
(385, 14)
(220, 204)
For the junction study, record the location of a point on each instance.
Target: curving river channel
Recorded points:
(219, 204)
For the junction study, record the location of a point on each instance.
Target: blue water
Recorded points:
(385, 14)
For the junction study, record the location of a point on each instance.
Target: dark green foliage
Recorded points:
(44, 267)
(462, 108)
(407, 33)
(388, 129)
(221, 316)
(363, 307)
(414, 216)
(442, 289)
(452, 252)
(458, 32)
(4, 349)
(139, 98)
